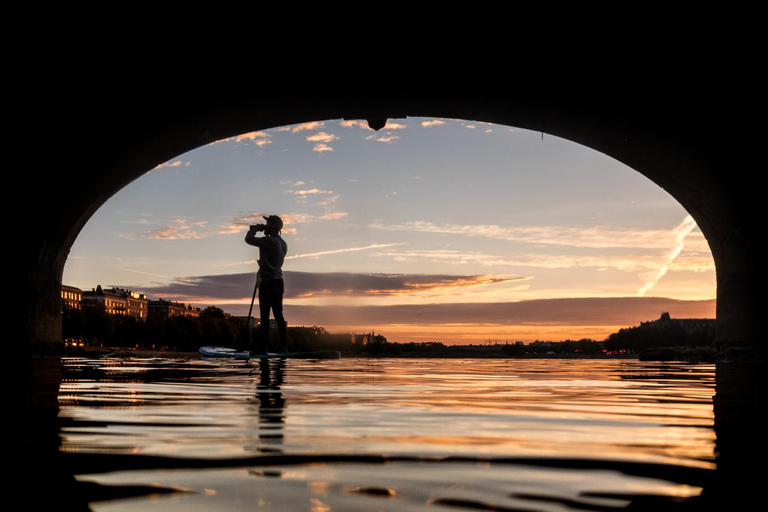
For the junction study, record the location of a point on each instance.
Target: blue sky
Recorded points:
(427, 230)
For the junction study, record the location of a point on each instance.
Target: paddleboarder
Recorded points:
(272, 250)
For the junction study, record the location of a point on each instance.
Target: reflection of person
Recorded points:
(272, 250)
(271, 402)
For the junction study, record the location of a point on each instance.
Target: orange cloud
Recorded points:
(307, 126)
(181, 230)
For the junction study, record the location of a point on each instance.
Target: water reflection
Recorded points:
(528, 434)
(271, 405)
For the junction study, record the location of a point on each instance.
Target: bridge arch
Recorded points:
(673, 144)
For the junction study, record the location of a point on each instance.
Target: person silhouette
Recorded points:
(272, 251)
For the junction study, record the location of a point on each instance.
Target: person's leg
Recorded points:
(277, 311)
(266, 295)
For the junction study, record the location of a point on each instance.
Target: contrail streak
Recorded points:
(350, 249)
(682, 231)
(145, 273)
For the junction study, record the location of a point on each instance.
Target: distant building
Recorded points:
(368, 338)
(114, 303)
(165, 308)
(117, 301)
(137, 304)
(71, 297)
(689, 324)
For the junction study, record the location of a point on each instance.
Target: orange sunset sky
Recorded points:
(427, 230)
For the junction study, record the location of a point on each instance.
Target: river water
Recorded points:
(389, 434)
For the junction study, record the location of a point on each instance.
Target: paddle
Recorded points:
(243, 341)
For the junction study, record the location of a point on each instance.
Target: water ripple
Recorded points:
(331, 420)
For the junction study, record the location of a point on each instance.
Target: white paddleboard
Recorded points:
(230, 353)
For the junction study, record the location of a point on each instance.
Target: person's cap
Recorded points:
(274, 221)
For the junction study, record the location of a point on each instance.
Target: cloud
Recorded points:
(302, 194)
(392, 125)
(307, 126)
(322, 137)
(591, 236)
(310, 191)
(355, 123)
(577, 316)
(542, 314)
(175, 163)
(202, 289)
(321, 140)
(387, 138)
(329, 201)
(290, 220)
(311, 284)
(240, 222)
(431, 123)
(335, 284)
(180, 230)
(333, 215)
(257, 138)
(548, 261)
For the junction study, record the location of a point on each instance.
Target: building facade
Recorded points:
(689, 324)
(121, 302)
(117, 301)
(166, 308)
(71, 297)
(113, 303)
(367, 339)
(138, 304)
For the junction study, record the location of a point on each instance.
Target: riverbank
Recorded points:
(703, 354)
(466, 354)
(460, 353)
(688, 354)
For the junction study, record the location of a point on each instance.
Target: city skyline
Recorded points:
(427, 230)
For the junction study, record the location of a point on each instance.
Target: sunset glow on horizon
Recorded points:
(427, 230)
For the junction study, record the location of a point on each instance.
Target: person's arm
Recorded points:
(251, 238)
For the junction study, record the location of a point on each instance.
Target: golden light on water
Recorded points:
(480, 411)
(466, 334)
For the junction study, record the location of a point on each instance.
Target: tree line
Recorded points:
(96, 327)
(214, 327)
(672, 334)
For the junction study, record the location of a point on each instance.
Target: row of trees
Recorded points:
(97, 327)
(214, 327)
(582, 346)
(628, 340)
(672, 334)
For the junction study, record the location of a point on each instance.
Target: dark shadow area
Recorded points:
(738, 420)
(667, 138)
(698, 152)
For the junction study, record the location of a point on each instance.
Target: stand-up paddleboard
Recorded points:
(230, 353)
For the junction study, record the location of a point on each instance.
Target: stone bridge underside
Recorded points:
(94, 145)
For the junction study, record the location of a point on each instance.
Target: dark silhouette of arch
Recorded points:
(85, 147)
(693, 151)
